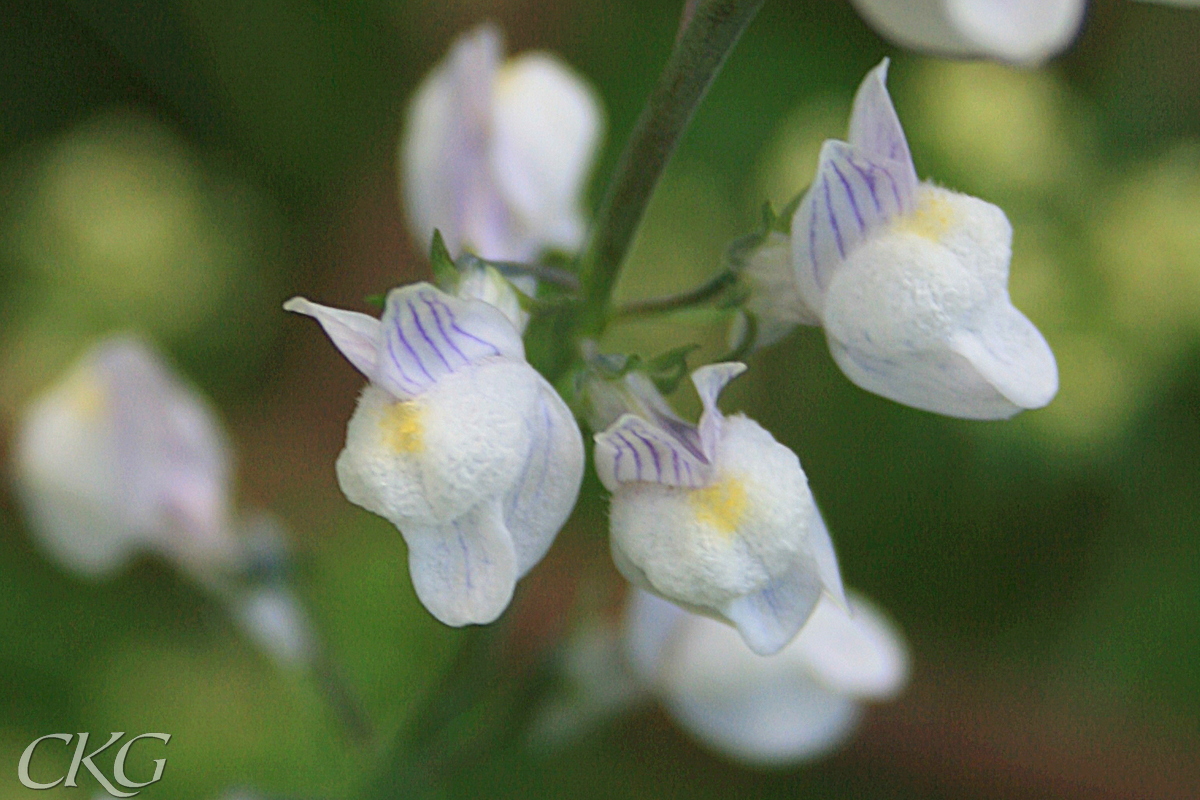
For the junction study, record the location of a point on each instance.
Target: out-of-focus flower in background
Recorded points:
(796, 705)
(1020, 31)
(458, 442)
(121, 456)
(718, 518)
(496, 154)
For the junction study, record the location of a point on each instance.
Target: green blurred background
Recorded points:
(183, 167)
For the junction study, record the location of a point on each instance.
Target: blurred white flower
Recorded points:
(1018, 31)
(910, 281)
(274, 619)
(496, 155)
(718, 518)
(796, 705)
(458, 442)
(121, 456)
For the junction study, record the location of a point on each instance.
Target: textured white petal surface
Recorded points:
(547, 127)
(748, 530)
(464, 571)
(920, 314)
(1020, 31)
(356, 336)
(431, 459)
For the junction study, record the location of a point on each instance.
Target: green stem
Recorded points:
(693, 297)
(709, 35)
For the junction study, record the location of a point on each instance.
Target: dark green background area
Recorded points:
(1046, 571)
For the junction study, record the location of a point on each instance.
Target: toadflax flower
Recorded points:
(121, 456)
(495, 155)
(910, 281)
(718, 518)
(1019, 31)
(795, 705)
(458, 442)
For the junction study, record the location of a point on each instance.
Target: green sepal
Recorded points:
(377, 301)
(444, 272)
(669, 368)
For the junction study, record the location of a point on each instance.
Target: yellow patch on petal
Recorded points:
(721, 505)
(401, 427)
(933, 217)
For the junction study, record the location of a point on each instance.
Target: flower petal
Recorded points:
(547, 126)
(447, 179)
(821, 546)
(633, 449)
(773, 722)
(545, 492)
(860, 654)
(1011, 354)
(356, 336)
(428, 334)
(875, 129)
(464, 572)
(770, 618)
(710, 381)
(851, 197)
(1020, 31)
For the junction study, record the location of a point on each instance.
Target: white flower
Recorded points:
(121, 456)
(458, 442)
(718, 518)
(1019, 31)
(795, 705)
(910, 281)
(496, 155)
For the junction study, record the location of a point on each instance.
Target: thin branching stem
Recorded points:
(709, 34)
(693, 297)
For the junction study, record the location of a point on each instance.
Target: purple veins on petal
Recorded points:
(653, 454)
(437, 318)
(425, 336)
(833, 223)
(862, 225)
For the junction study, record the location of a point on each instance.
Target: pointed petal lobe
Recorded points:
(768, 619)
(355, 335)
(875, 129)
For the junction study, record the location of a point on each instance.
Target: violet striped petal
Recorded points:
(875, 129)
(633, 450)
(428, 334)
(355, 335)
(851, 197)
(710, 381)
